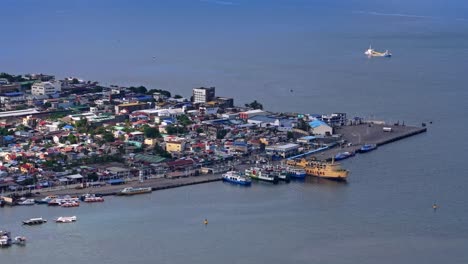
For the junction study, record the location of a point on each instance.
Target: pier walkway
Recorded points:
(359, 135)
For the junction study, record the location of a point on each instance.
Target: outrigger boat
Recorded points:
(65, 219)
(34, 221)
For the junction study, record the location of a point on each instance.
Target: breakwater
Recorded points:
(155, 184)
(354, 137)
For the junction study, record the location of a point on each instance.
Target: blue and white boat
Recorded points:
(46, 199)
(367, 148)
(295, 172)
(237, 178)
(344, 155)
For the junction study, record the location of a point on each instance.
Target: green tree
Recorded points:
(158, 150)
(100, 130)
(4, 131)
(151, 132)
(12, 78)
(255, 105)
(82, 123)
(21, 127)
(199, 130)
(184, 120)
(139, 89)
(221, 133)
(290, 135)
(175, 129)
(72, 139)
(108, 137)
(303, 125)
(47, 104)
(177, 96)
(163, 92)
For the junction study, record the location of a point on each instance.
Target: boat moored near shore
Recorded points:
(27, 202)
(65, 219)
(135, 190)
(34, 221)
(327, 170)
(259, 174)
(367, 148)
(237, 178)
(91, 198)
(5, 239)
(344, 155)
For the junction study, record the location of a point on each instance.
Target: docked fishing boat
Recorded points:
(34, 221)
(65, 219)
(259, 174)
(20, 240)
(46, 199)
(370, 52)
(282, 175)
(55, 202)
(344, 155)
(296, 172)
(67, 204)
(133, 190)
(91, 198)
(236, 177)
(328, 170)
(5, 239)
(367, 148)
(27, 202)
(278, 171)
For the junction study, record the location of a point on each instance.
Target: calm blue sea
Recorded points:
(255, 49)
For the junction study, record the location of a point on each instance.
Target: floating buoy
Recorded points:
(205, 222)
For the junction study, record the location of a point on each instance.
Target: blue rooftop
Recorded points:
(309, 137)
(13, 94)
(317, 123)
(115, 181)
(144, 97)
(9, 138)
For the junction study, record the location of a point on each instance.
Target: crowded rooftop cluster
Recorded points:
(56, 132)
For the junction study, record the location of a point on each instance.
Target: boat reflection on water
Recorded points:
(324, 182)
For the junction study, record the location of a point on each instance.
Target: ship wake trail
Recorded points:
(373, 13)
(218, 2)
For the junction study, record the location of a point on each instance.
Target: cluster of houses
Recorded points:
(72, 131)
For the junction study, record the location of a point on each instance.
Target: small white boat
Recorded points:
(372, 53)
(65, 219)
(34, 221)
(133, 190)
(5, 239)
(70, 204)
(236, 177)
(91, 198)
(46, 199)
(20, 240)
(27, 202)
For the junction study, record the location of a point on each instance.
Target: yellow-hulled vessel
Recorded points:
(329, 170)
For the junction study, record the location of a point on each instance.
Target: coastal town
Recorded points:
(76, 137)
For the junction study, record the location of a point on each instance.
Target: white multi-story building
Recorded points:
(203, 95)
(45, 88)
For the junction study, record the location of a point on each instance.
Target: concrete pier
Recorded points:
(359, 135)
(155, 184)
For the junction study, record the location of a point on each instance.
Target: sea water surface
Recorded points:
(261, 50)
